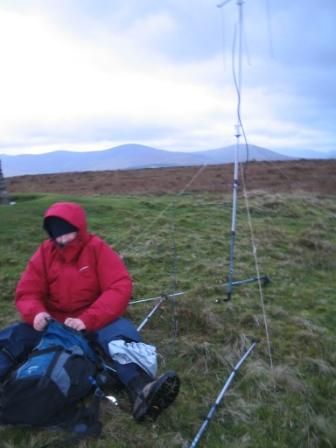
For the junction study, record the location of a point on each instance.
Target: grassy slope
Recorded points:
(291, 405)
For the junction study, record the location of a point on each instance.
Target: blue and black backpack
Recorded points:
(51, 387)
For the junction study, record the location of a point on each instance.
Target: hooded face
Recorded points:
(63, 221)
(62, 240)
(57, 227)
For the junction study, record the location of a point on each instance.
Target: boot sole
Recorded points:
(161, 395)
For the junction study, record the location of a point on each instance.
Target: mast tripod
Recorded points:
(4, 199)
(238, 133)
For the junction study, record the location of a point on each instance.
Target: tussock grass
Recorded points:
(181, 243)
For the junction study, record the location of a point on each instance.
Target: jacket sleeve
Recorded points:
(116, 286)
(32, 288)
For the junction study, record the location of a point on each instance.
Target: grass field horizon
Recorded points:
(180, 243)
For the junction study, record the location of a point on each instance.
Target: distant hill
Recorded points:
(308, 154)
(129, 156)
(255, 153)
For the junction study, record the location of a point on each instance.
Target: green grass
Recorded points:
(181, 243)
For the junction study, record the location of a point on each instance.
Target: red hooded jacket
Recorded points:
(84, 279)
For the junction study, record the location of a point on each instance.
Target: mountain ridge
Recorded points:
(127, 156)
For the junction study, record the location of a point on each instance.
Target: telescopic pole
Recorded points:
(238, 133)
(235, 184)
(154, 309)
(151, 299)
(220, 396)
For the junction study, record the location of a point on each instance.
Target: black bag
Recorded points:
(49, 387)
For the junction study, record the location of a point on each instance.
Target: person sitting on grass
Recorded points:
(75, 278)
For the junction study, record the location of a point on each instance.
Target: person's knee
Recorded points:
(121, 328)
(22, 340)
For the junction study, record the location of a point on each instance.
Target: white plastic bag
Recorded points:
(144, 355)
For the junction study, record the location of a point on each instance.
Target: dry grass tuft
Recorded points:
(320, 366)
(288, 379)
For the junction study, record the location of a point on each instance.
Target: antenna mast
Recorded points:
(3, 190)
(238, 133)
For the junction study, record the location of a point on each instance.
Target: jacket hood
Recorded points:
(70, 212)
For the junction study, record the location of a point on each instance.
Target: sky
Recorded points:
(92, 74)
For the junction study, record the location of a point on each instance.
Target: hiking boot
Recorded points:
(149, 399)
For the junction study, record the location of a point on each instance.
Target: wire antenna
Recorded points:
(239, 132)
(269, 28)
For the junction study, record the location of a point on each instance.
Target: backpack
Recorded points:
(49, 387)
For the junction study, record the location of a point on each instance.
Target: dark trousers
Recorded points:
(18, 340)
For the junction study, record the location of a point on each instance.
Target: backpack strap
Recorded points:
(57, 353)
(52, 348)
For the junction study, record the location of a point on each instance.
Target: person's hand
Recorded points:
(41, 320)
(76, 324)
